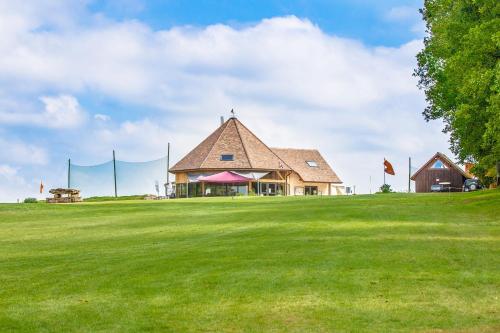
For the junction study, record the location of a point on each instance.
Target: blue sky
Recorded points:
(367, 20)
(81, 78)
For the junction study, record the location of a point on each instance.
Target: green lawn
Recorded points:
(377, 263)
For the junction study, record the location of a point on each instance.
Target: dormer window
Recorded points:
(438, 165)
(227, 157)
(312, 164)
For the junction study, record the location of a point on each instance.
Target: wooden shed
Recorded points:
(439, 171)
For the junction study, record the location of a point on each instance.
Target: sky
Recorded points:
(81, 78)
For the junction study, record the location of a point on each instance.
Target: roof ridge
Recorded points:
(243, 143)
(283, 148)
(215, 142)
(443, 156)
(272, 152)
(453, 163)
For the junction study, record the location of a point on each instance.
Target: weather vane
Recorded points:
(232, 113)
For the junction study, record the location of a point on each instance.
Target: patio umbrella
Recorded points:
(225, 177)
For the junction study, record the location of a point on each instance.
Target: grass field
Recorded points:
(380, 263)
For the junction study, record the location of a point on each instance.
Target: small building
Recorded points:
(439, 171)
(233, 161)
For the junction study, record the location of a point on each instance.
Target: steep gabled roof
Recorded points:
(232, 138)
(449, 163)
(297, 159)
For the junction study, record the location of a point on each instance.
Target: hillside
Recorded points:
(367, 263)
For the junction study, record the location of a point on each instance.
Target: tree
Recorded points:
(460, 73)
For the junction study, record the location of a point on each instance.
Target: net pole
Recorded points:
(69, 172)
(114, 172)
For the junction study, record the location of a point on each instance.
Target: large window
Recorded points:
(218, 190)
(268, 188)
(180, 190)
(195, 190)
(311, 190)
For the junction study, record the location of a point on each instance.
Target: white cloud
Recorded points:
(290, 82)
(402, 13)
(61, 111)
(409, 16)
(13, 185)
(20, 153)
(7, 171)
(102, 117)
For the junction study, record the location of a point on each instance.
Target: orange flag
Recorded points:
(388, 167)
(41, 187)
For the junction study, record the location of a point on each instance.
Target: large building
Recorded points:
(233, 161)
(439, 171)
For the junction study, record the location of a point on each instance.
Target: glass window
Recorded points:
(180, 190)
(312, 163)
(215, 190)
(311, 190)
(227, 157)
(438, 165)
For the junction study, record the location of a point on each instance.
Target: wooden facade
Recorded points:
(439, 170)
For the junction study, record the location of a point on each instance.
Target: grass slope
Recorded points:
(367, 263)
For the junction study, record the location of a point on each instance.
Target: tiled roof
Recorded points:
(231, 138)
(297, 160)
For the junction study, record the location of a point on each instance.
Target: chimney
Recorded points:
(468, 167)
(221, 120)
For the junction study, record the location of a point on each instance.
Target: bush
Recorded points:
(30, 200)
(386, 188)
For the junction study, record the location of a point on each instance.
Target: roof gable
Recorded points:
(233, 138)
(260, 155)
(446, 162)
(317, 170)
(195, 157)
(229, 142)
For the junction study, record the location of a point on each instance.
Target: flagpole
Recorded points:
(384, 170)
(409, 174)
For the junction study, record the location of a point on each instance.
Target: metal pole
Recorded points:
(168, 169)
(370, 184)
(114, 172)
(409, 174)
(69, 172)
(384, 171)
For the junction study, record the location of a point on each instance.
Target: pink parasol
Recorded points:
(224, 177)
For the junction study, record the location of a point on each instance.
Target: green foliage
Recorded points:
(398, 263)
(386, 188)
(460, 73)
(30, 200)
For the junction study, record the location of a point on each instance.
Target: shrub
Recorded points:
(386, 188)
(30, 200)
